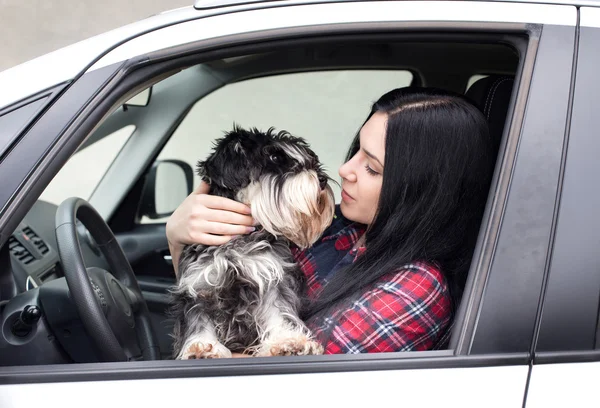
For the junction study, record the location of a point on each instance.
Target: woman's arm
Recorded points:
(175, 251)
(409, 310)
(206, 219)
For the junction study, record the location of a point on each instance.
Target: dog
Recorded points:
(244, 296)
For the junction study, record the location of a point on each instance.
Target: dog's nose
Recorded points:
(323, 182)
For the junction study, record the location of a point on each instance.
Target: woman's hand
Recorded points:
(206, 219)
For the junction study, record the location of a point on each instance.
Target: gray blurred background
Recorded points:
(32, 29)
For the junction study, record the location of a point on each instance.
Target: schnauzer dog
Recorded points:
(244, 296)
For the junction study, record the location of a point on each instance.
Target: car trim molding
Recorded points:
(253, 366)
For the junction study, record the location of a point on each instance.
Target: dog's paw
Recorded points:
(294, 346)
(199, 350)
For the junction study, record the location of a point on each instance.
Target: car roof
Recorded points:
(39, 74)
(212, 4)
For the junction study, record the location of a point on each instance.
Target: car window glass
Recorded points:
(85, 169)
(325, 108)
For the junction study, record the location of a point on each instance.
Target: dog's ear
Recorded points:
(202, 172)
(227, 168)
(223, 176)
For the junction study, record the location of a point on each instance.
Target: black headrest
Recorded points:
(492, 95)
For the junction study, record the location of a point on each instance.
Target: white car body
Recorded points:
(480, 382)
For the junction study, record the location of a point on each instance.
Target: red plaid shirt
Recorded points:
(405, 310)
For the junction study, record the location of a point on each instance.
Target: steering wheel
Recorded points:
(113, 311)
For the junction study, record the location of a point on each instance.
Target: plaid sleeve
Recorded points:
(409, 310)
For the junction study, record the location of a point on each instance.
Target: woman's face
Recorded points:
(362, 175)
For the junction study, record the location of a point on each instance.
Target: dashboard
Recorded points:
(34, 252)
(38, 321)
(31, 277)
(33, 257)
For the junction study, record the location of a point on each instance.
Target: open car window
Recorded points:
(189, 110)
(324, 108)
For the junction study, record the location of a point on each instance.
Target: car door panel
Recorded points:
(567, 361)
(147, 250)
(470, 387)
(564, 385)
(147, 241)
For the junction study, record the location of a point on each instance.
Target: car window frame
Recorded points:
(109, 86)
(33, 106)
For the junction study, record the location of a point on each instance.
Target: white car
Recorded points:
(121, 119)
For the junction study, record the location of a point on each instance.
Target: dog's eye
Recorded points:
(274, 158)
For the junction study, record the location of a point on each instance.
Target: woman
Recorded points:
(389, 271)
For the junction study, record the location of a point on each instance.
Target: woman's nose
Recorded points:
(347, 172)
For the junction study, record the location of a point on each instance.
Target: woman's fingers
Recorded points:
(222, 203)
(219, 228)
(209, 220)
(229, 217)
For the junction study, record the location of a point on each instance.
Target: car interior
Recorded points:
(147, 172)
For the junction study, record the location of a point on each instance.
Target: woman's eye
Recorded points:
(371, 171)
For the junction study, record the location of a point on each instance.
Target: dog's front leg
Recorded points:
(284, 333)
(201, 340)
(193, 306)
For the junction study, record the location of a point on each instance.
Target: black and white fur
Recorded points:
(244, 296)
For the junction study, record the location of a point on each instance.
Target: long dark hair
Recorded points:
(439, 160)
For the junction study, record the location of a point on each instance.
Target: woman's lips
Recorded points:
(346, 196)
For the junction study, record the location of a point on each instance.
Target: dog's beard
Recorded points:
(296, 208)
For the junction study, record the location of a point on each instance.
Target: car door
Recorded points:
(489, 353)
(567, 357)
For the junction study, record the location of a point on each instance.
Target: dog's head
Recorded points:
(278, 175)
